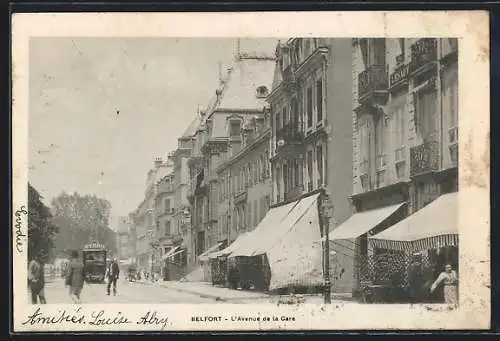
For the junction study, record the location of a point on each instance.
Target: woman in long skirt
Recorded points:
(449, 280)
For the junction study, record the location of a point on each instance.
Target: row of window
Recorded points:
(312, 106)
(388, 135)
(244, 217)
(247, 176)
(290, 175)
(298, 51)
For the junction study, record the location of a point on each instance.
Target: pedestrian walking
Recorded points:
(36, 279)
(113, 273)
(75, 277)
(449, 279)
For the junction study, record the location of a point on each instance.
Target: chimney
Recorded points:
(158, 162)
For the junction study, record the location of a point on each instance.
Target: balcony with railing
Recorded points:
(290, 139)
(424, 158)
(372, 83)
(423, 53)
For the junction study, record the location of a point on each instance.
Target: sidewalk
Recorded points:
(207, 290)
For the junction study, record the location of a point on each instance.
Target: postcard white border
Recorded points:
(471, 27)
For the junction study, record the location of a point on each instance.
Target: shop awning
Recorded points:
(176, 253)
(296, 259)
(240, 240)
(170, 253)
(362, 222)
(273, 235)
(270, 221)
(214, 248)
(434, 226)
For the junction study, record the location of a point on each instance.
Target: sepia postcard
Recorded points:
(250, 171)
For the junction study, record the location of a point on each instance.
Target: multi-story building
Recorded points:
(182, 214)
(144, 218)
(167, 233)
(244, 180)
(221, 135)
(311, 144)
(405, 127)
(124, 240)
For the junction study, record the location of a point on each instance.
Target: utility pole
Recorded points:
(326, 209)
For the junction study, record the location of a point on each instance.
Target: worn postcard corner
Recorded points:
(170, 173)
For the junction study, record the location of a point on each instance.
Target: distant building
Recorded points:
(182, 215)
(144, 219)
(123, 236)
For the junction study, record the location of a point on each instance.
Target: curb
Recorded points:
(238, 299)
(214, 297)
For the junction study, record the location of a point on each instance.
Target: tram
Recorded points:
(94, 262)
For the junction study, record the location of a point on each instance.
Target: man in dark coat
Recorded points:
(113, 274)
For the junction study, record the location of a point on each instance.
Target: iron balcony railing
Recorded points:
(423, 52)
(291, 134)
(372, 80)
(424, 158)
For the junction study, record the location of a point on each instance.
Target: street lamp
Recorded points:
(326, 210)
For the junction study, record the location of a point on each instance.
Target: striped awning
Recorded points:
(434, 226)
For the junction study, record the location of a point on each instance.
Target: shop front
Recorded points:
(284, 251)
(419, 247)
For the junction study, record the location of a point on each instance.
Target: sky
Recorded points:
(102, 109)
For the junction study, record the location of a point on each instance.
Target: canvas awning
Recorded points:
(214, 248)
(270, 221)
(170, 253)
(176, 253)
(434, 226)
(273, 234)
(240, 240)
(296, 259)
(362, 222)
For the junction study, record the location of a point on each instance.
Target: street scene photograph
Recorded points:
(243, 170)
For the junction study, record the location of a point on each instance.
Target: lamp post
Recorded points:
(326, 213)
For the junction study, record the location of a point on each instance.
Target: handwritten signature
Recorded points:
(96, 318)
(18, 226)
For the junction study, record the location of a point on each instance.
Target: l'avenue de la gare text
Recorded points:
(94, 318)
(238, 318)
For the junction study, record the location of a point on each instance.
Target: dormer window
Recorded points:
(262, 91)
(234, 128)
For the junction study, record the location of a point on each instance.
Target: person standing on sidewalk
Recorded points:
(113, 275)
(36, 279)
(449, 279)
(75, 277)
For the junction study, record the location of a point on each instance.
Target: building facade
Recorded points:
(226, 127)
(311, 146)
(124, 238)
(144, 219)
(182, 215)
(405, 124)
(167, 234)
(245, 187)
